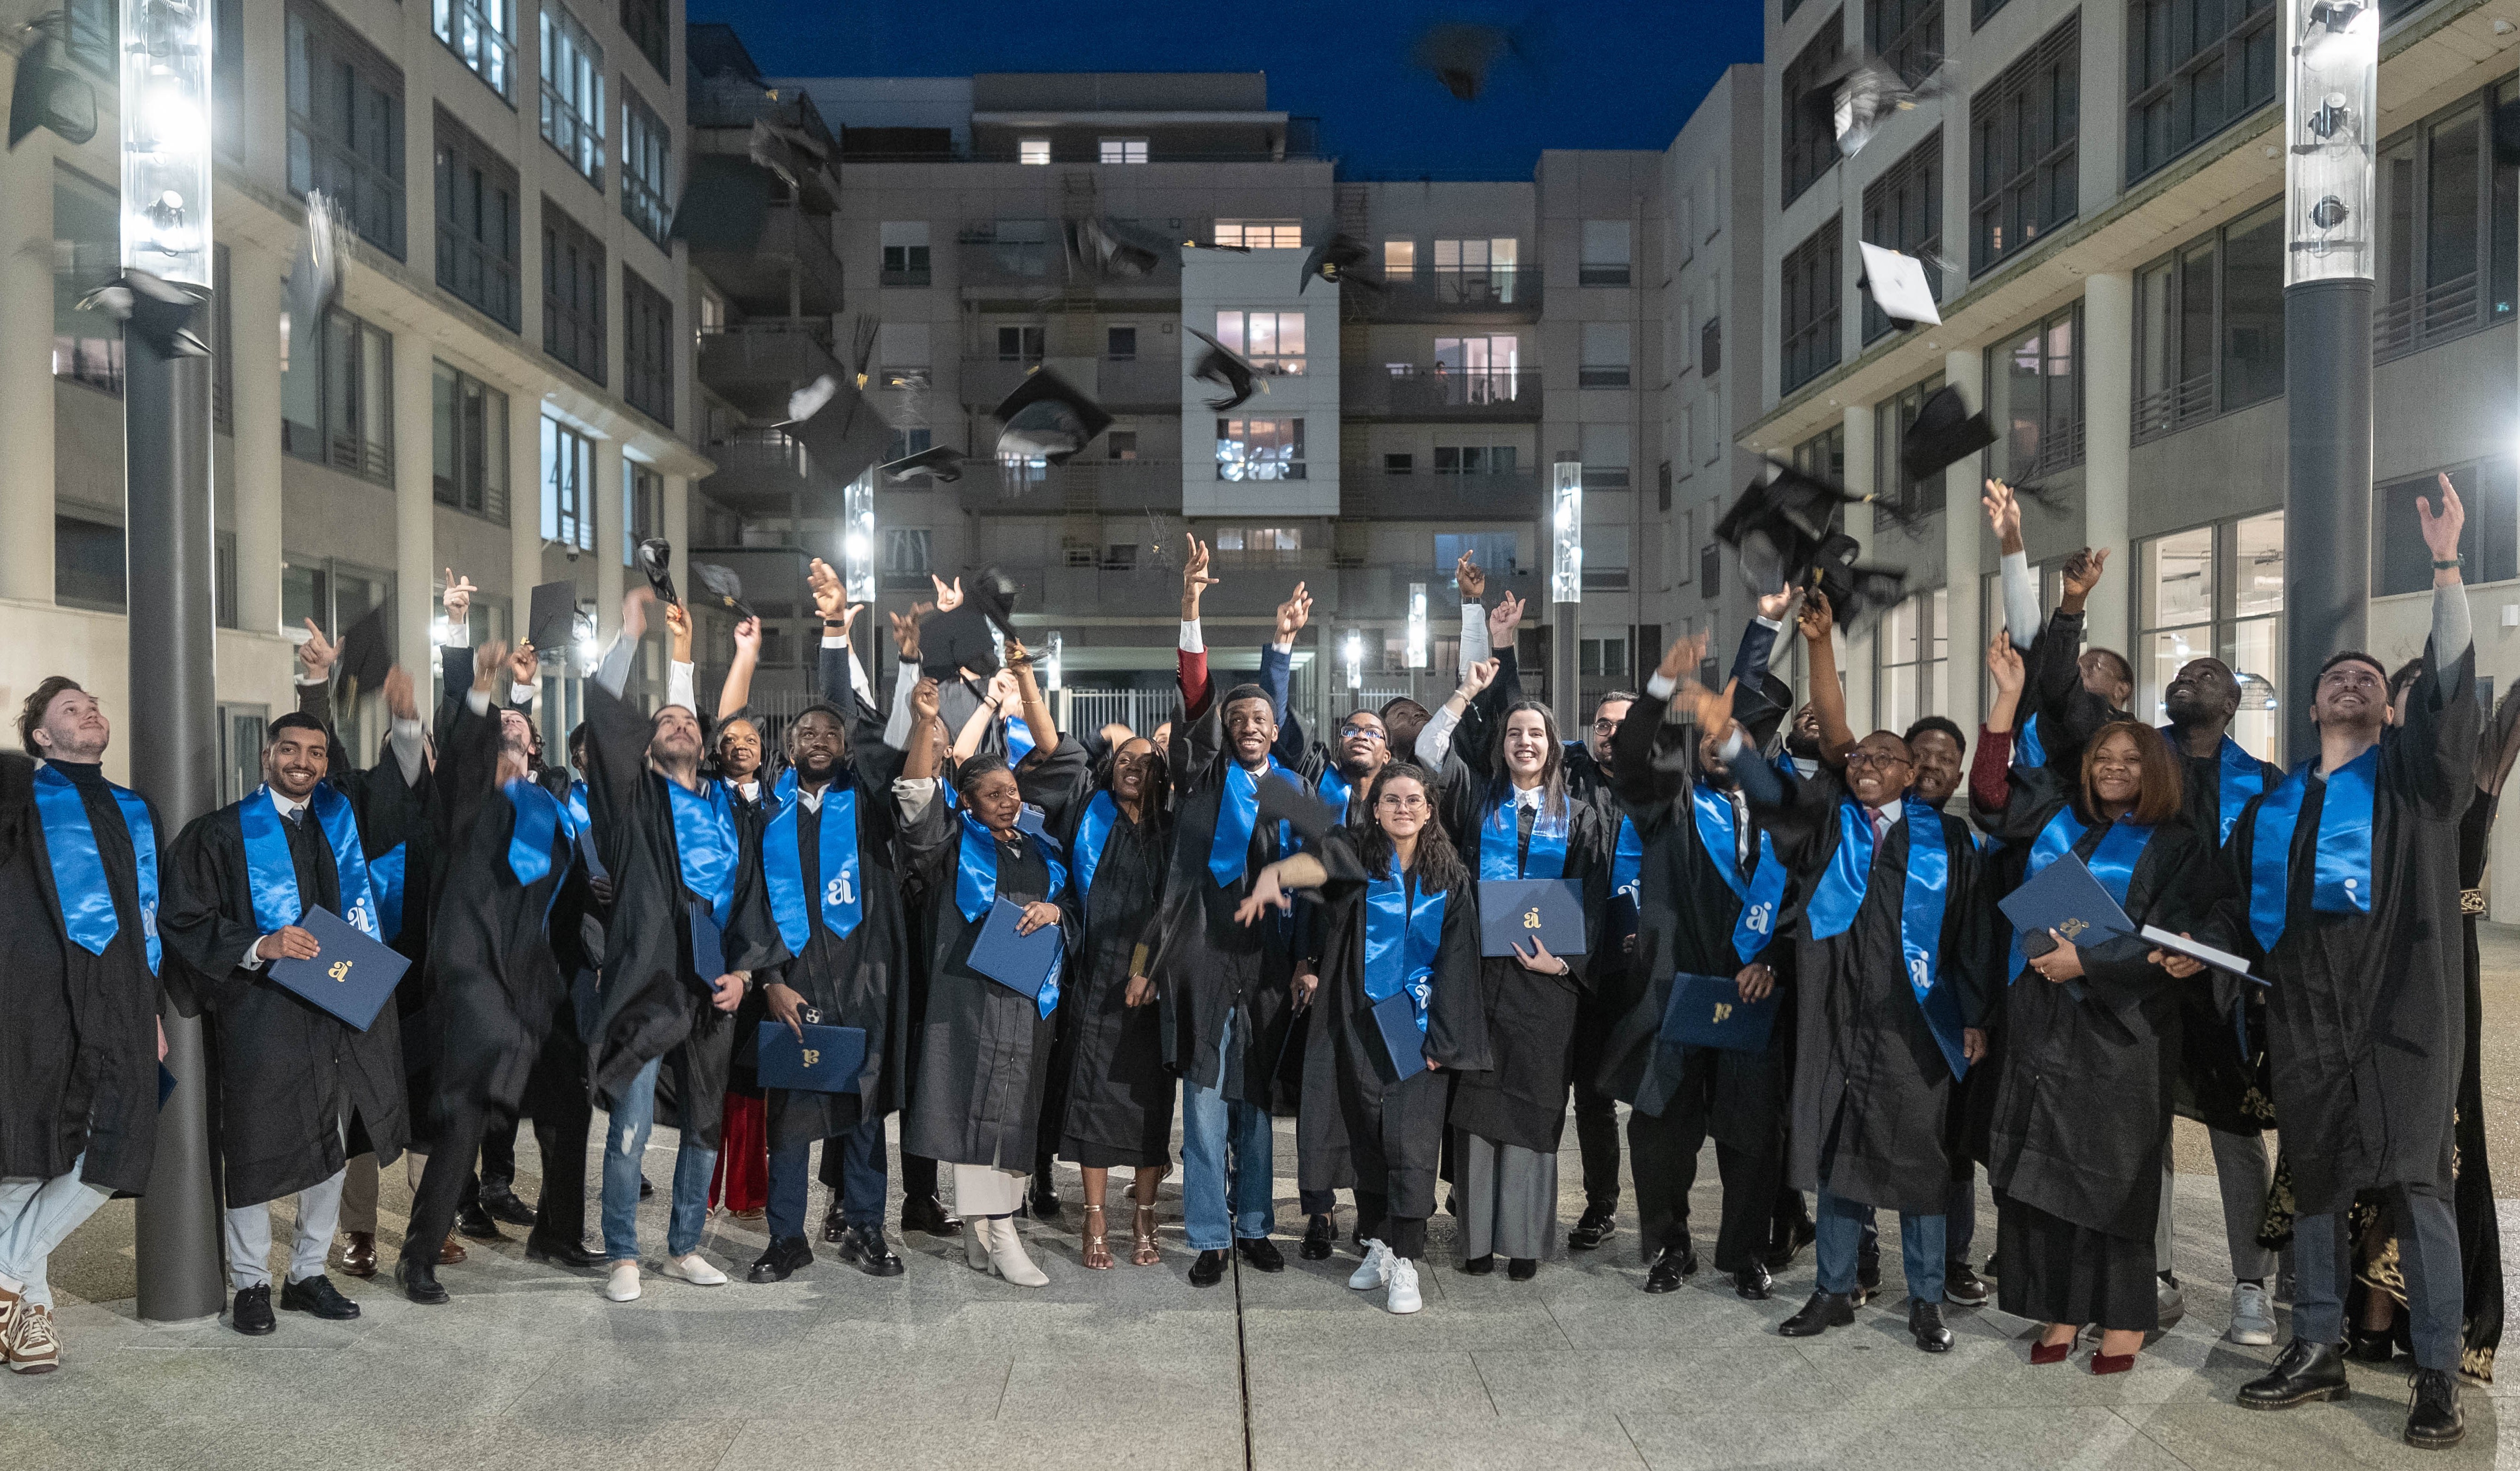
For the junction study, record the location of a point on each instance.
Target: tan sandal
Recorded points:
(1098, 1247)
(1146, 1255)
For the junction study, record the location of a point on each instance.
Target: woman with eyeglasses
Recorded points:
(1398, 1010)
(2090, 1035)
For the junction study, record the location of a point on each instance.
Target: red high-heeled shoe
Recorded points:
(2112, 1364)
(2051, 1352)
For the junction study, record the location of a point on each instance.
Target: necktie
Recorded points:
(1524, 818)
(1880, 825)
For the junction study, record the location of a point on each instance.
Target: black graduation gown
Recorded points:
(287, 1071)
(78, 1052)
(1871, 1102)
(2215, 1084)
(1115, 1106)
(2480, 1233)
(983, 1051)
(1357, 1128)
(651, 1004)
(2366, 1014)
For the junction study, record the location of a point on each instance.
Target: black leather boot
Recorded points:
(2306, 1371)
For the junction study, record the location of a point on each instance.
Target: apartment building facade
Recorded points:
(502, 387)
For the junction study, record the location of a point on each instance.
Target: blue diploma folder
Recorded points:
(1022, 963)
(350, 976)
(709, 942)
(1707, 1012)
(1397, 1017)
(826, 1060)
(2068, 900)
(1515, 911)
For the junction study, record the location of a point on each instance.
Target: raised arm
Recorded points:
(1276, 673)
(1473, 581)
(975, 726)
(1036, 709)
(2435, 754)
(1197, 690)
(737, 691)
(1750, 660)
(1828, 696)
(1648, 792)
(678, 664)
(2020, 590)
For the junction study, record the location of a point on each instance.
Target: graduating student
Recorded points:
(500, 998)
(1402, 918)
(757, 790)
(829, 874)
(922, 1208)
(1228, 989)
(1712, 897)
(2350, 869)
(1891, 938)
(669, 841)
(79, 866)
(297, 1091)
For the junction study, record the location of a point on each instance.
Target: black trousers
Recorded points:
(1597, 1113)
(499, 1154)
(1406, 1235)
(1664, 1157)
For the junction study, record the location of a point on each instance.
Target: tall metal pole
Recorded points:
(1566, 591)
(173, 731)
(2332, 109)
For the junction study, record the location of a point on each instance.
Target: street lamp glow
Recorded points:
(1352, 654)
(1566, 532)
(1417, 625)
(2330, 110)
(166, 139)
(1058, 648)
(857, 538)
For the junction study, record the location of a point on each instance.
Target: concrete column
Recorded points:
(415, 507)
(1855, 655)
(27, 371)
(524, 505)
(2108, 399)
(253, 312)
(1963, 528)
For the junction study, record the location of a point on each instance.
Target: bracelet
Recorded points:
(2440, 565)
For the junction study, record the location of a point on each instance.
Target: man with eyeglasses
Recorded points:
(2346, 897)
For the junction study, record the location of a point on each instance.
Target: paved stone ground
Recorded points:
(943, 1366)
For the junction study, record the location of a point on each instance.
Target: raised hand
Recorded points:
(1818, 618)
(905, 634)
(1004, 691)
(1772, 606)
(1714, 711)
(1294, 613)
(1267, 893)
(401, 701)
(1195, 579)
(831, 595)
(680, 623)
(317, 654)
(2002, 513)
(948, 597)
(2443, 518)
(2004, 662)
(1469, 578)
(486, 659)
(458, 597)
(634, 612)
(1683, 657)
(2083, 571)
(748, 638)
(1479, 676)
(1504, 619)
(923, 700)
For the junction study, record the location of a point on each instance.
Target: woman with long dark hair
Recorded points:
(1397, 1014)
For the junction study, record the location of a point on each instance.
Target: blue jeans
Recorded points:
(625, 1149)
(859, 1153)
(1221, 1202)
(1840, 1227)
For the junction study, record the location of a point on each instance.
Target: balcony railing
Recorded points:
(1380, 494)
(1035, 268)
(2420, 320)
(1447, 292)
(1080, 486)
(1406, 391)
(790, 267)
(761, 470)
(2175, 406)
(1122, 385)
(755, 365)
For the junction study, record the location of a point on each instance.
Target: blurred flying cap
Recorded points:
(1854, 593)
(656, 560)
(1333, 259)
(942, 463)
(1763, 706)
(158, 310)
(1944, 434)
(1778, 525)
(725, 590)
(1047, 418)
(1226, 369)
(364, 659)
(48, 92)
(808, 401)
(1098, 250)
(553, 624)
(1899, 287)
(315, 273)
(965, 636)
(1460, 54)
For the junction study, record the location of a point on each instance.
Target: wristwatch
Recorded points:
(2441, 563)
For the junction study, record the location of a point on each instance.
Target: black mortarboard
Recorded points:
(1763, 706)
(1095, 249)
(723, 588)
(656, 559)
(1228, 370)
(159, 311)
(1943, 435)
(1777, 526)
(1852, 590)
(1460, 54)
(942, 463)
(959, 637)
(1333, 259)
(365, 659)
(1047, 418)
(48, 92)
(553, 618)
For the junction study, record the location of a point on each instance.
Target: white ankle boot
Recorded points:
(975, 1242)
(1375, 1271)
(1404, 1287)
(1008, 1257)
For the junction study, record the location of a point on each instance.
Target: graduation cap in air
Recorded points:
(1854, 593)
(1462, 53)
(315, 273)
(1777, 526)
(1857, 97)
(959, 638)
(942, 463)
(48, 92)
(1047, 418)
(808, 401)
(1334, 260)
(364, 659)
(1095, 250)
(1764, 706)
(554, 619)
(656, 560)
(159, 311)
(724, 589)
(1944, 434)
(1899, 287)
(1228, 370)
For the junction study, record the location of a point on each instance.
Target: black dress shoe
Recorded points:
(1791, 1236)
(418, 1281)
(1595, 1225)
(1925, 1325)
(2371, 1344)
(834, 1228)
(646, 1190)
(1673, 1266)
(318, 1295)
(1751, 1283)
(571, 1253)
(475, 1221)
(2306, 1371)
(1043, 1204)
(864, 1245)
(1824, 1311)
(1321, 1237)
(1479, 1267)
(781, 1259)
(503, 1204)
(1523, 1268)
(925, 1214)
(1261, 1252)
(1961, 1285)
(2434, 1420)
(251, 1315)
(1209, 1269)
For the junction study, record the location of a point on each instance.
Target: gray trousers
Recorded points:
(2427, 1252)
(2242, 1171)
(249, 1236)
(1508, 1198)
(35, 1216)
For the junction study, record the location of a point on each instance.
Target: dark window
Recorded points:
(572, 293)
(2022, 133)
(1810, 137)
(1906, 35)
(2034, 398)
(1122, 344)
(1809, 345)
(568, 486)
(87, 564)
(223, 580)
(469, 443)
(1891, 419)
(2194, 68)
(650, 27)
(1982, 11)
(646, 147)
(1400, 465)
(1122, 444)
(1020, 344)
(2446, 259)
(2210, 325)
(1903, 210)
(2400, 562)
(346, 124)
(89, 36)
(906, 265)
(1710, 570)
(1710, 347)
(336, 398)
(901, 444)
(647, 348)
(478, 224)
(1662, 487)
(572, 95)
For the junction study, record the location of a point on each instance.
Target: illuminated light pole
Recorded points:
(2332, 109)
(1566, 588)
(166, 245)
(1352, 654)
(1415, 649)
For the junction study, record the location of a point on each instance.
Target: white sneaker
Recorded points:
(1375, 1271)
(2173, 1303)
(1404, 1287)
(2253, 1317)
(694, 1270)
(624, 1285)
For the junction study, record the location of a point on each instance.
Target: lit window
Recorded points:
(1259, 544)
(1274, 341)
(1120, 151)
(569, 482)
(1033, 151)
(1261, 235)
(1399, 257)
(573, 93)
(1260, 449)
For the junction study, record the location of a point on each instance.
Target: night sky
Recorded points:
(1593, 73)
